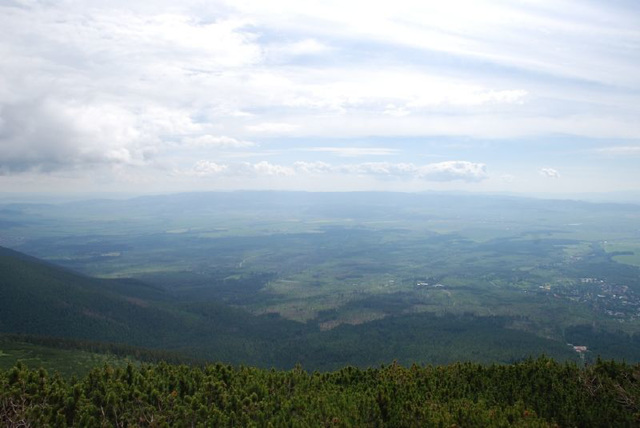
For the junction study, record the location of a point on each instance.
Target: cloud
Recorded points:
(549, 173)
(443, 171)
(353, 151)
(313, 167)
(272, 128)
(453, 170)
(465, 95)
(138, 86)
(98, 85)
(387, 169)
(205, 168)
(514, 35)
(266, 168)
(216, 142)
(396, 111)
(391, 90)
(46, 135)
(620, 150)
(308, 46)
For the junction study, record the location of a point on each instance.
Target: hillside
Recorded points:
(40, 298)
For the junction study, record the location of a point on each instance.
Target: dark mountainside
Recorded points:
(45, 300)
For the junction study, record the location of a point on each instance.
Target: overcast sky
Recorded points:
(153, 96)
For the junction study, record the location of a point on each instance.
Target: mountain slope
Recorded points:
(39, 298)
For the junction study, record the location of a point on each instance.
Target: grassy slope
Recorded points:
(67, 362)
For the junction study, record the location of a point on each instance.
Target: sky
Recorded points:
(527, 97)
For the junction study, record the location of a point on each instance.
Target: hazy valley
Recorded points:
(329, 279)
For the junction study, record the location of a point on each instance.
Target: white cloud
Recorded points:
(307, 46)
(132, 85)
(620, 150)
(545, 37)
(47, 135)
(266, 168)
(312, 167)
(216, 142)
(395, 91)
(399, 170)
(205, 168)
(465, 95)
(453, 170)
(549, 173)
(442, 171)
(272, 128)
(88, 85)
(354, 151)
(396, 111)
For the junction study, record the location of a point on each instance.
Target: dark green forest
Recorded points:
(532, 393)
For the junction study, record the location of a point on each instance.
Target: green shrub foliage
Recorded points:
(531, 393)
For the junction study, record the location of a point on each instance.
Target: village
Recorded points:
(614, 300)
